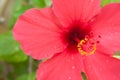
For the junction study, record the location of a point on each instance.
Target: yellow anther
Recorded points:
(83, 52)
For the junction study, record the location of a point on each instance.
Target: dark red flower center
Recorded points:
(80, 39)
(76, 34)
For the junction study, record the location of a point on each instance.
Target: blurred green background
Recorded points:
(14, 64)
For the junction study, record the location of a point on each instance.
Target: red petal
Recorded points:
(39, 33)
(73, 10)
(107, 25)
(63, 66)
(102, 67)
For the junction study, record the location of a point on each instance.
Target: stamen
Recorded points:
(86, 47)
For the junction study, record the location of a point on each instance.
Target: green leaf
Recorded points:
(84, 77)
(19, 8)
(10, 50)
(38, 3)
(117, 55)
(16, 57)
(104, 2)
(27, 77)
(18, 5)
(41, 3)
(8, 46)
(18, 69)
(48, 2)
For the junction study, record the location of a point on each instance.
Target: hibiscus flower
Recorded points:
(75, 36)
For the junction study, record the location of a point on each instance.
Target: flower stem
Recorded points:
(30, 68)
